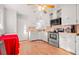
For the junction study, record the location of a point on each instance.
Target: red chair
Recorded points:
(11, 43)
(2, 48)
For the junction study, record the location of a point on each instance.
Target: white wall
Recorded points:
(29, 10)
(77, 13)
(2, 28)
(34, 16)
(68, 14)
(30, 19)
(11, 21)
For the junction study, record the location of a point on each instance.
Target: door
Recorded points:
(21, 27)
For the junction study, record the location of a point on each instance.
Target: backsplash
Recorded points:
(77, 28)
(65, 28)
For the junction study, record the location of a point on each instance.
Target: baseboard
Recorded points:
(68, 51)
(38, 40)
(22, 40)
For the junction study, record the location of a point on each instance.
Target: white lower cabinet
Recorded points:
(38, 36)
(67, 41)
(62, 41)
(77, 45)
(71, 43)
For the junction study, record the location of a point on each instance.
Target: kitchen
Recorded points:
(57, 25)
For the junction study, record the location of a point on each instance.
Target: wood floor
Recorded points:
(40, 48)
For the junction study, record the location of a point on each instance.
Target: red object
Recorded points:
(0, 52)
(11, 44)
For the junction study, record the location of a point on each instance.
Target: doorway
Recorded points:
(21, 27)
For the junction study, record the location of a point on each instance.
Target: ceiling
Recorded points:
(21, 8)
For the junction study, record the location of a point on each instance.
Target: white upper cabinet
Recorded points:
(68, 14)
(77, 13)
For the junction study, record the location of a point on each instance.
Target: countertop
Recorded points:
(67, 33)
(77, 34)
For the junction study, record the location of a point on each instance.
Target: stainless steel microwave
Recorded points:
(57, 21)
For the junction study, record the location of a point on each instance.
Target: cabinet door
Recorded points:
(62, 41)
(43, 36)
(33, 35)
(77, 45)
(77, 13)
(68, 14)
(71, 43)
(67, 42)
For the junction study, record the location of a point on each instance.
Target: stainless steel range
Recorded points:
(53, 38)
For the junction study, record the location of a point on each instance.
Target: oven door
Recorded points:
(53, 39)
(53, 36)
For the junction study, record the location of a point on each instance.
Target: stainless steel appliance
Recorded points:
(57, 21)
(53, 38)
